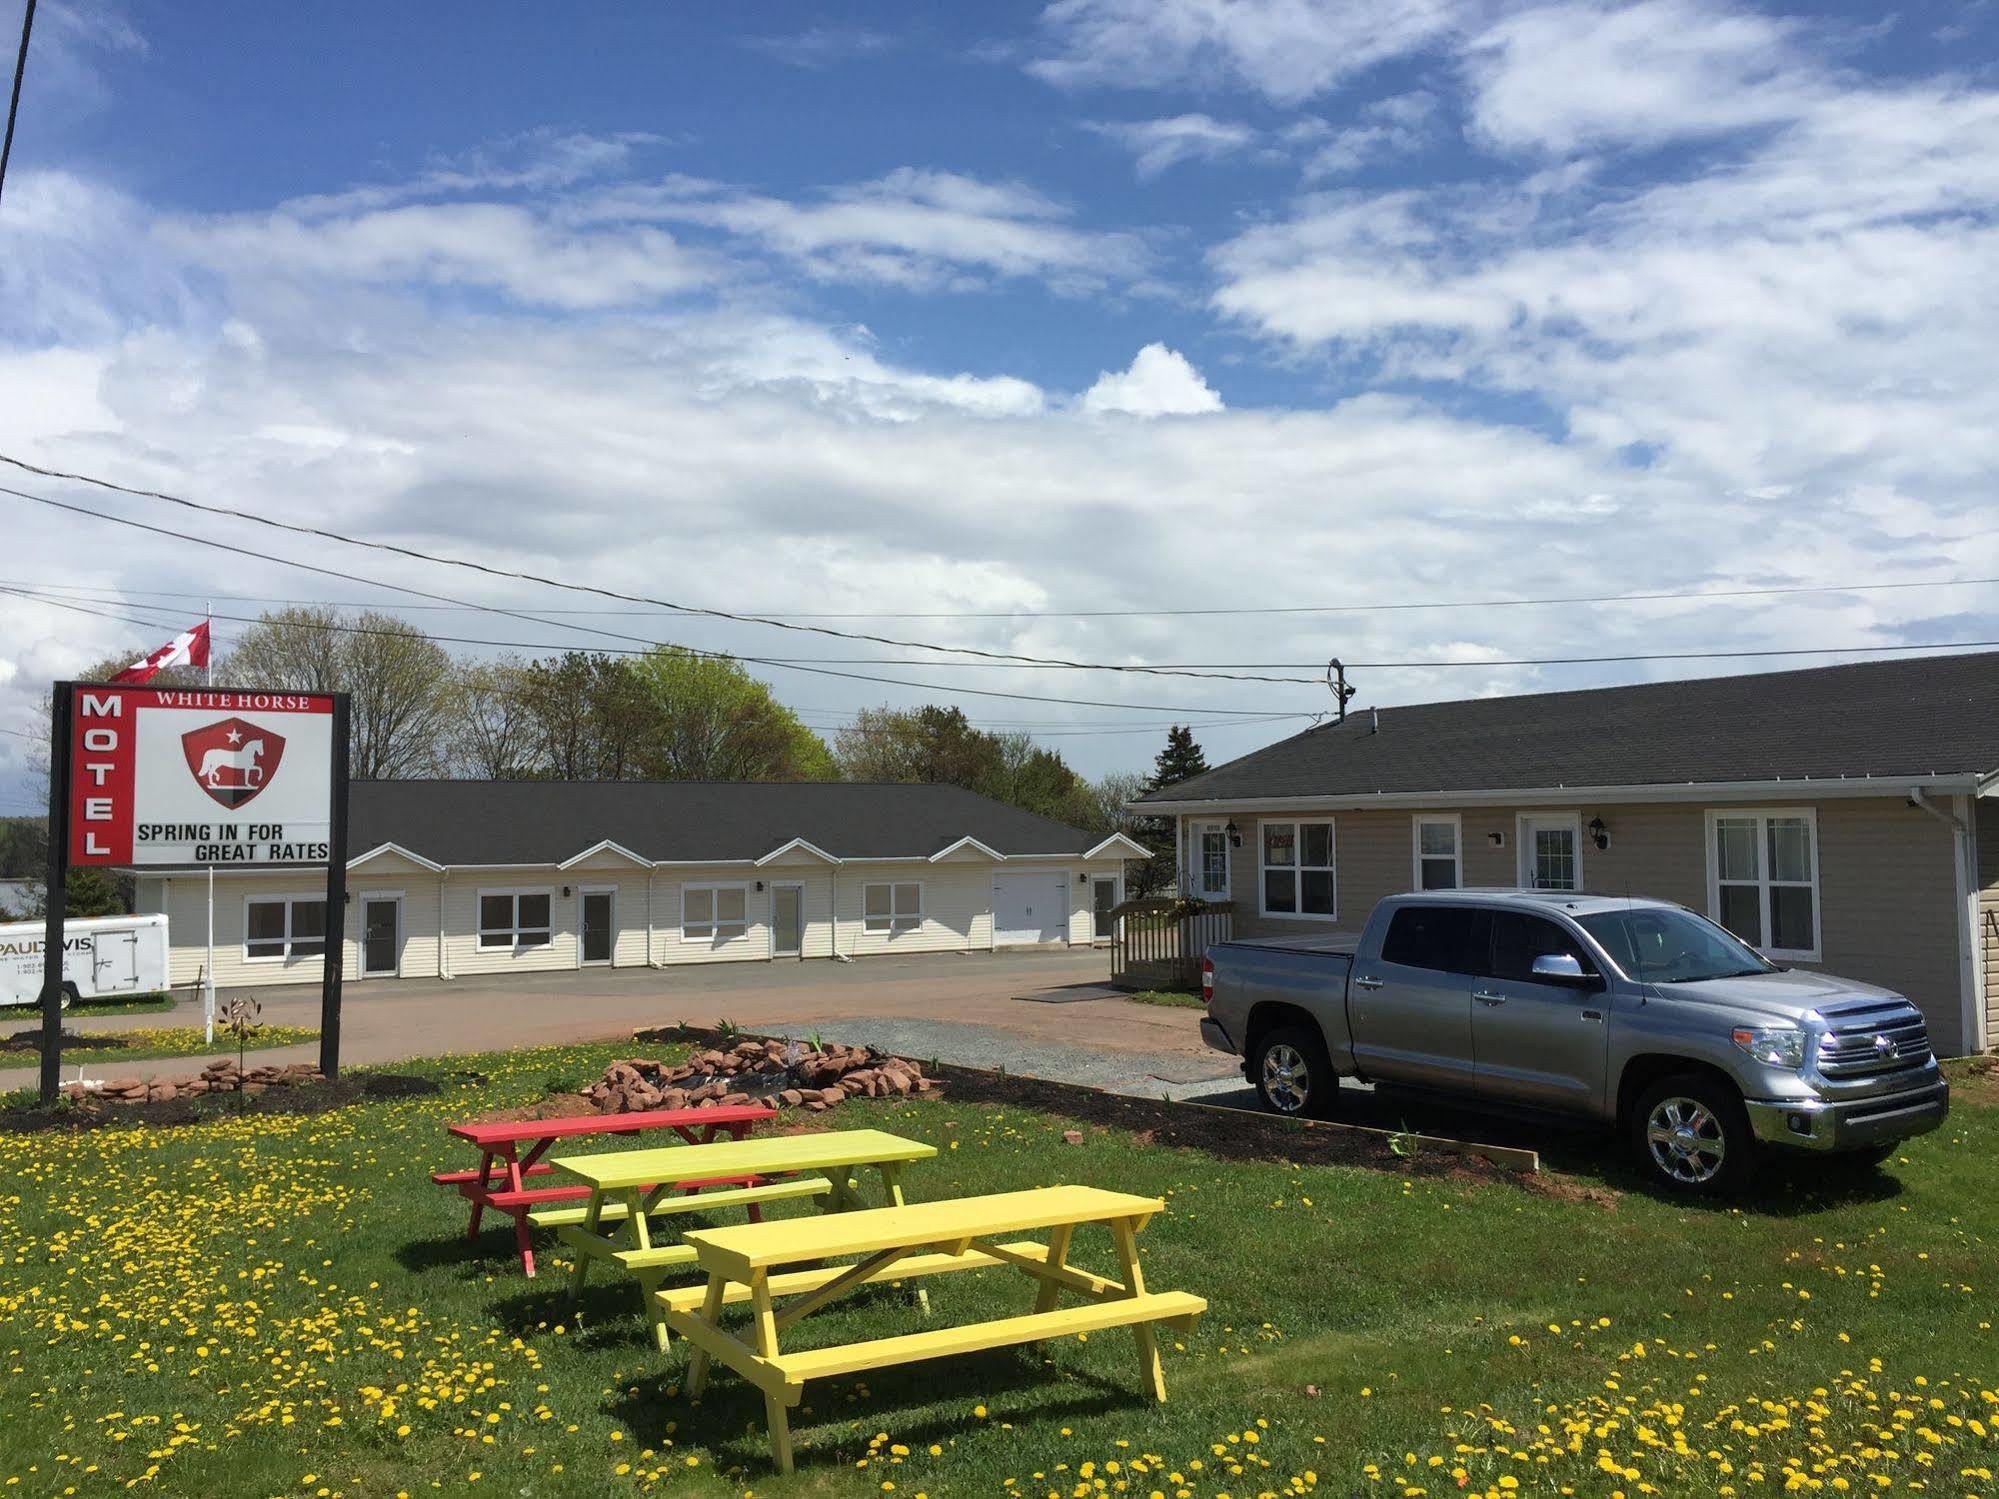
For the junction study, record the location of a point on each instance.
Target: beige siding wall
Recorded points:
(1886, 882)
(957, 914)
(1988, 911)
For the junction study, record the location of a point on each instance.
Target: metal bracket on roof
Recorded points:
(1336, 684)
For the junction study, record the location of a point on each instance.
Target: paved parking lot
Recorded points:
(1009, 1010)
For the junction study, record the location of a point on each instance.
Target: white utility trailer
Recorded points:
(104, 957)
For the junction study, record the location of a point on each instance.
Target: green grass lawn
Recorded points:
(285, 1305)
(1178, 999)
(147, 1044)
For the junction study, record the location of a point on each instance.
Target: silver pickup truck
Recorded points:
(1636, 1012)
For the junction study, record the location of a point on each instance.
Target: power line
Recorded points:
(609, 593)
(14, 104)
(1191, 668)
(1681, 595)
(223, 546)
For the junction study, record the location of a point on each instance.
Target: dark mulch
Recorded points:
(314, 1098)
(31, 1040)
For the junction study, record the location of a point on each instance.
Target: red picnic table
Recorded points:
(499, 1183)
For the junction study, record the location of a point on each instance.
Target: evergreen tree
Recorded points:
(1181, 760)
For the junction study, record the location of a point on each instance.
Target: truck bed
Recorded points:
(1340, 944)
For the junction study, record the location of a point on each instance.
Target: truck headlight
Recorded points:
(1776, 1046)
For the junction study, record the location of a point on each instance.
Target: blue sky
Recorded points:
(1100, 304)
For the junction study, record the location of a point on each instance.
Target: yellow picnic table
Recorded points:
(630, 1190)
(899, 1243)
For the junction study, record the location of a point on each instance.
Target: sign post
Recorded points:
(56, 903)
(174, 778)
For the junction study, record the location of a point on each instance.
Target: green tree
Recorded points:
(940, 746)
(400, 683)
(713, 721)
(589, 717)
(493, 735)
(1179, 761)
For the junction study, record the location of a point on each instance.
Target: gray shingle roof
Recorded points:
(1918, 716)
(546, 822)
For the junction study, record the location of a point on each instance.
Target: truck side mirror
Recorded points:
(1560, 968)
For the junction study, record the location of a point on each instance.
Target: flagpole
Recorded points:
(208, 987)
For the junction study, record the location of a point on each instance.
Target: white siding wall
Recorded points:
(957, 914)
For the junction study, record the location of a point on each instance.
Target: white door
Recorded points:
(1030, 908)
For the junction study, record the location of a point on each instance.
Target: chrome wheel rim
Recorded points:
(1286, 1079)
(1686, 1140)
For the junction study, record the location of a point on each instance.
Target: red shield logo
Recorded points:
(232, 760)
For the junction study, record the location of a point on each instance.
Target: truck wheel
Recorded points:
(1693, 1134)
(1292, 1072)
(69, 994)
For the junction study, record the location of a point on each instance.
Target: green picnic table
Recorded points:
(632, 1190)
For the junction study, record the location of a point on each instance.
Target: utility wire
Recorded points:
(1682, 595)
(810, 663)
(467, 564)
(14, 103)
(223, 546)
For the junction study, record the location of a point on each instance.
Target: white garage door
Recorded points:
(1030, 908)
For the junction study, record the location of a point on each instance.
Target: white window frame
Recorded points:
(513, 930)
(1455, 821)
(288, 900)
(898, 921)
(1332, 867)
(1810, 817)
(1523, 848)
(714, 930)
(1195, 869)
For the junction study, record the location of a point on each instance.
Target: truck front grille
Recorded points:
(1871, 1038)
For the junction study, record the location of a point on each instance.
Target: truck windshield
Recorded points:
(1656, 945)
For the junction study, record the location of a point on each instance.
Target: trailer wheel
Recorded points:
(69, 993)
(1292, 1073)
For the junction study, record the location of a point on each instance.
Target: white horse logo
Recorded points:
(215, 761)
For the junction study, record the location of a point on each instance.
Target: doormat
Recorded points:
(1070, 994)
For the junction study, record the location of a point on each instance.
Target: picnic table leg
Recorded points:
(1149, 1368)
(484, 1185)
(892, 1187)
(775, 1414)
(591, 1214)
(711, 1314)
(1058, 1256)
(520, 1216)
(649, 1284)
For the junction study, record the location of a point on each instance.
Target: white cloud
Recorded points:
(1156, 145)
(1287, 50)
(914, 228)
(1159, 382)
(822, 46)
(1393, 127)
(1570, 75)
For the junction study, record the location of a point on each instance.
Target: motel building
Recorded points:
(451, 879)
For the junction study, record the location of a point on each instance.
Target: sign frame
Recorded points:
(62, 799)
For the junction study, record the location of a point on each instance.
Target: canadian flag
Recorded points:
(189, 648)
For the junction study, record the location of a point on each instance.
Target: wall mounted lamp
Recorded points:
(1598, 833)
(1235, 834)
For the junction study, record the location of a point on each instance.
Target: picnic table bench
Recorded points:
(629, 1191)
(500, 1182)
(897, 1243)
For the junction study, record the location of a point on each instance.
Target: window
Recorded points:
(718, 912)
(1550, 857)
(891, 908)
(514, 918)
(284, 927)
(1298, 868)
(1437, 845)
(1449, 939)
(1763, 879)
(1518, 940)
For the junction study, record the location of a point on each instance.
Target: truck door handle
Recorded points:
(1487, 997)
(1592, 1014)
(1367, 983)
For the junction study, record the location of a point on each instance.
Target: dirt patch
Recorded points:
(31, 1041)
(549, 1106)
(313, 1098)
(1568, 1189)
(1975, 1080)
